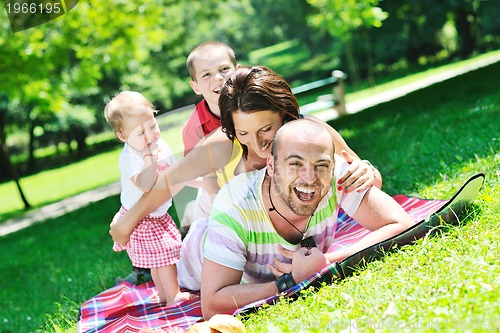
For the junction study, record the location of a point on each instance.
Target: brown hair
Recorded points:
(207, 47)
(253, 89)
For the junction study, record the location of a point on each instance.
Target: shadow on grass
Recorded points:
(430, 134)
(415, 141)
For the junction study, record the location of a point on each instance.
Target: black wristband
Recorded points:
(285, 282)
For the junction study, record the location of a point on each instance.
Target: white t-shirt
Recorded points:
(131, 164)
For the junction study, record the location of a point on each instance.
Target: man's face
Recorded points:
(211, 71)
(303, 172)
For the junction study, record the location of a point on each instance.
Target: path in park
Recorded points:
(69, 204)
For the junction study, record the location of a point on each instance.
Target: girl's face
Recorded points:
(140, 131)
(256, 130)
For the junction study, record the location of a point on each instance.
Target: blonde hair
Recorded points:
(126, 103)
(204, 48)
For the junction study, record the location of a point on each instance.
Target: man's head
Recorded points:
(208, 65)
(301, 164)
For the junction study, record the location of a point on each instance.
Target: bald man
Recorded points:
(272, 227)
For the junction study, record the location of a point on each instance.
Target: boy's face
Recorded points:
(140, 131)
(211, 70)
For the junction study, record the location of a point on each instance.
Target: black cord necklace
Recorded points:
(305, 242)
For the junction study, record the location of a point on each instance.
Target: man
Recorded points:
(259, 220)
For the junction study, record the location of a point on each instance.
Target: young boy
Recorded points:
(208, 64)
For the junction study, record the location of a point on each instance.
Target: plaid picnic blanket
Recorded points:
(128, 308)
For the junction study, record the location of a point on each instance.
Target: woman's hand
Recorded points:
(119, 230)
(359, 176)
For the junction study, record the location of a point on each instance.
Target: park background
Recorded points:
(56, 78)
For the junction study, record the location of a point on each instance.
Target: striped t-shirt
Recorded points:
(241, 236)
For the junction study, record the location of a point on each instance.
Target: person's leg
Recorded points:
(156, 280)
(165, 279)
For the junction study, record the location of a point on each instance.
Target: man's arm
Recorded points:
(379, 213)
(222, 292)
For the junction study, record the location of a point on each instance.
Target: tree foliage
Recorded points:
(56, 77)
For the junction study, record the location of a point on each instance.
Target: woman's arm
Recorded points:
(361, 174)
(212, 155)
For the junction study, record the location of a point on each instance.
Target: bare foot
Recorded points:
(181, 296)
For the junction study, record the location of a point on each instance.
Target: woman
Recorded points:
(255, 102)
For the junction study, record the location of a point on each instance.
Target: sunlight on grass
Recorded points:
(447, 282)
(53, 185)
(426, 144)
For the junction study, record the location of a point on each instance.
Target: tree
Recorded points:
(346, 20)
(8, 167)
(60, 65)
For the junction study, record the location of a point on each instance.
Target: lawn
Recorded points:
(425, 144)
(62, 182)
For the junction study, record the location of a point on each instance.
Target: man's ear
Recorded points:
(194, 86)
(270, 165)
(120, 136)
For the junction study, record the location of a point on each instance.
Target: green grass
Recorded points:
(394, 80)
(425, 144)
(47, 270)
(58, 183)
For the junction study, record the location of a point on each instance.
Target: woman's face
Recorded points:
(256, 130)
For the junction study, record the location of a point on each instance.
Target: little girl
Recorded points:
(156, 241)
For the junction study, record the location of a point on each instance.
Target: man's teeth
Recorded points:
(306, 189)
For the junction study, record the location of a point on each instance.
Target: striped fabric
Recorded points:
(242, 236)
(128, 308)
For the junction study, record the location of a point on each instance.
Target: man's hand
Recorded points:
(358, 177)
(305, 262)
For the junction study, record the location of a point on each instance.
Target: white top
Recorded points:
(131, 164)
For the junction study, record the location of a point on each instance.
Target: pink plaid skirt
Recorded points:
(155, 242)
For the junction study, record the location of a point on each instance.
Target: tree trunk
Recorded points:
(80, 136)
(352, 65)
(464, 16)
(31, 147)
(369, 59)
(7, 164)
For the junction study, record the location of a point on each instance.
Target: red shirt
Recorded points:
(201, 123)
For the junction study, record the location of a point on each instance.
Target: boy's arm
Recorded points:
(211, 186)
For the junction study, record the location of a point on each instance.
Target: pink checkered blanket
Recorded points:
(128, 308)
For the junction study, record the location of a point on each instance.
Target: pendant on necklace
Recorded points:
(308, 242)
